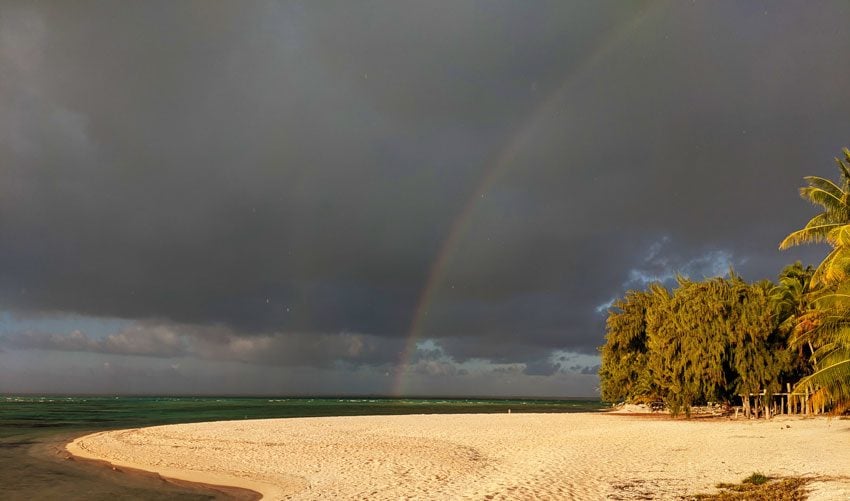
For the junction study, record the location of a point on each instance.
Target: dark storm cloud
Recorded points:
(271, 176)
(541, 368)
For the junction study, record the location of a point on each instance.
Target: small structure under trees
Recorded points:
(723, 339)
(704, 341)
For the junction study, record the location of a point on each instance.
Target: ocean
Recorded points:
(34, 429)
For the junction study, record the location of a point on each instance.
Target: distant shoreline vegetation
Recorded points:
(711, 340)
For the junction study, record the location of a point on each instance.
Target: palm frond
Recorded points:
(825, 185)
(824, 198)
(819, 278)
(842, 164)
(809, 235)
(829, 384)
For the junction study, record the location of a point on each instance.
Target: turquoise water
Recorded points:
(33, 430)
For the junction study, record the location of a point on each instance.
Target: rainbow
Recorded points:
(503, 161)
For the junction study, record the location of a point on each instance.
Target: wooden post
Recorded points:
(766, 402)
(806, 403)
(788, 390)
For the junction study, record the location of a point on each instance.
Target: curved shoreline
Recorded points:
(240, 489)
(475, 456)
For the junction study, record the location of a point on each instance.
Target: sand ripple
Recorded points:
(516, 456)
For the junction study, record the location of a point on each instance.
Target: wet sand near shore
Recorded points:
(39, 467)
(35, 428)
(493, 456)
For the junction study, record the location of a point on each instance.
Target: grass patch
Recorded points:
(760, 487)
(756, 479)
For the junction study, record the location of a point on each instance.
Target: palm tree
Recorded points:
(829, 225)
(796, 317)
(790, 297)
(831, 351)
(827, 332)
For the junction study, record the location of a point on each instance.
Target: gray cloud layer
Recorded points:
(289, 171)
(216, 343)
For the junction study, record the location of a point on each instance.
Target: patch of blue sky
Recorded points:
(95, 327)
(659, 267)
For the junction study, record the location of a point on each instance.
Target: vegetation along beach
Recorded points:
(424, 250)
(484, 456)
(719, 341)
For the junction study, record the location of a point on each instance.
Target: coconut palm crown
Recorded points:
(831, 226)
(829, 288)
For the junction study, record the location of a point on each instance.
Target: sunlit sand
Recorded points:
(483, 456)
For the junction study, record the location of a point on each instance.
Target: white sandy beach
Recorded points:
(484, 456)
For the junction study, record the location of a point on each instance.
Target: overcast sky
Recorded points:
(388, 197)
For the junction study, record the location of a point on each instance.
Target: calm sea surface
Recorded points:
(33, 430)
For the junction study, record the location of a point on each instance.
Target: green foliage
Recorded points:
(833, 198)
(756, 478)
(709, 340)
(825, 329)
(796, 316)
(789, 297)
(759, 353)
(624, 372)
(704, 341)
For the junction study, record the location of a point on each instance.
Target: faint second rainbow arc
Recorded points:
(497, 169)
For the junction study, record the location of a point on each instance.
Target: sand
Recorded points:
(484, 456)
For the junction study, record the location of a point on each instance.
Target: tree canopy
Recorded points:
(704, 341)
(710, 340)
(826, 329)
